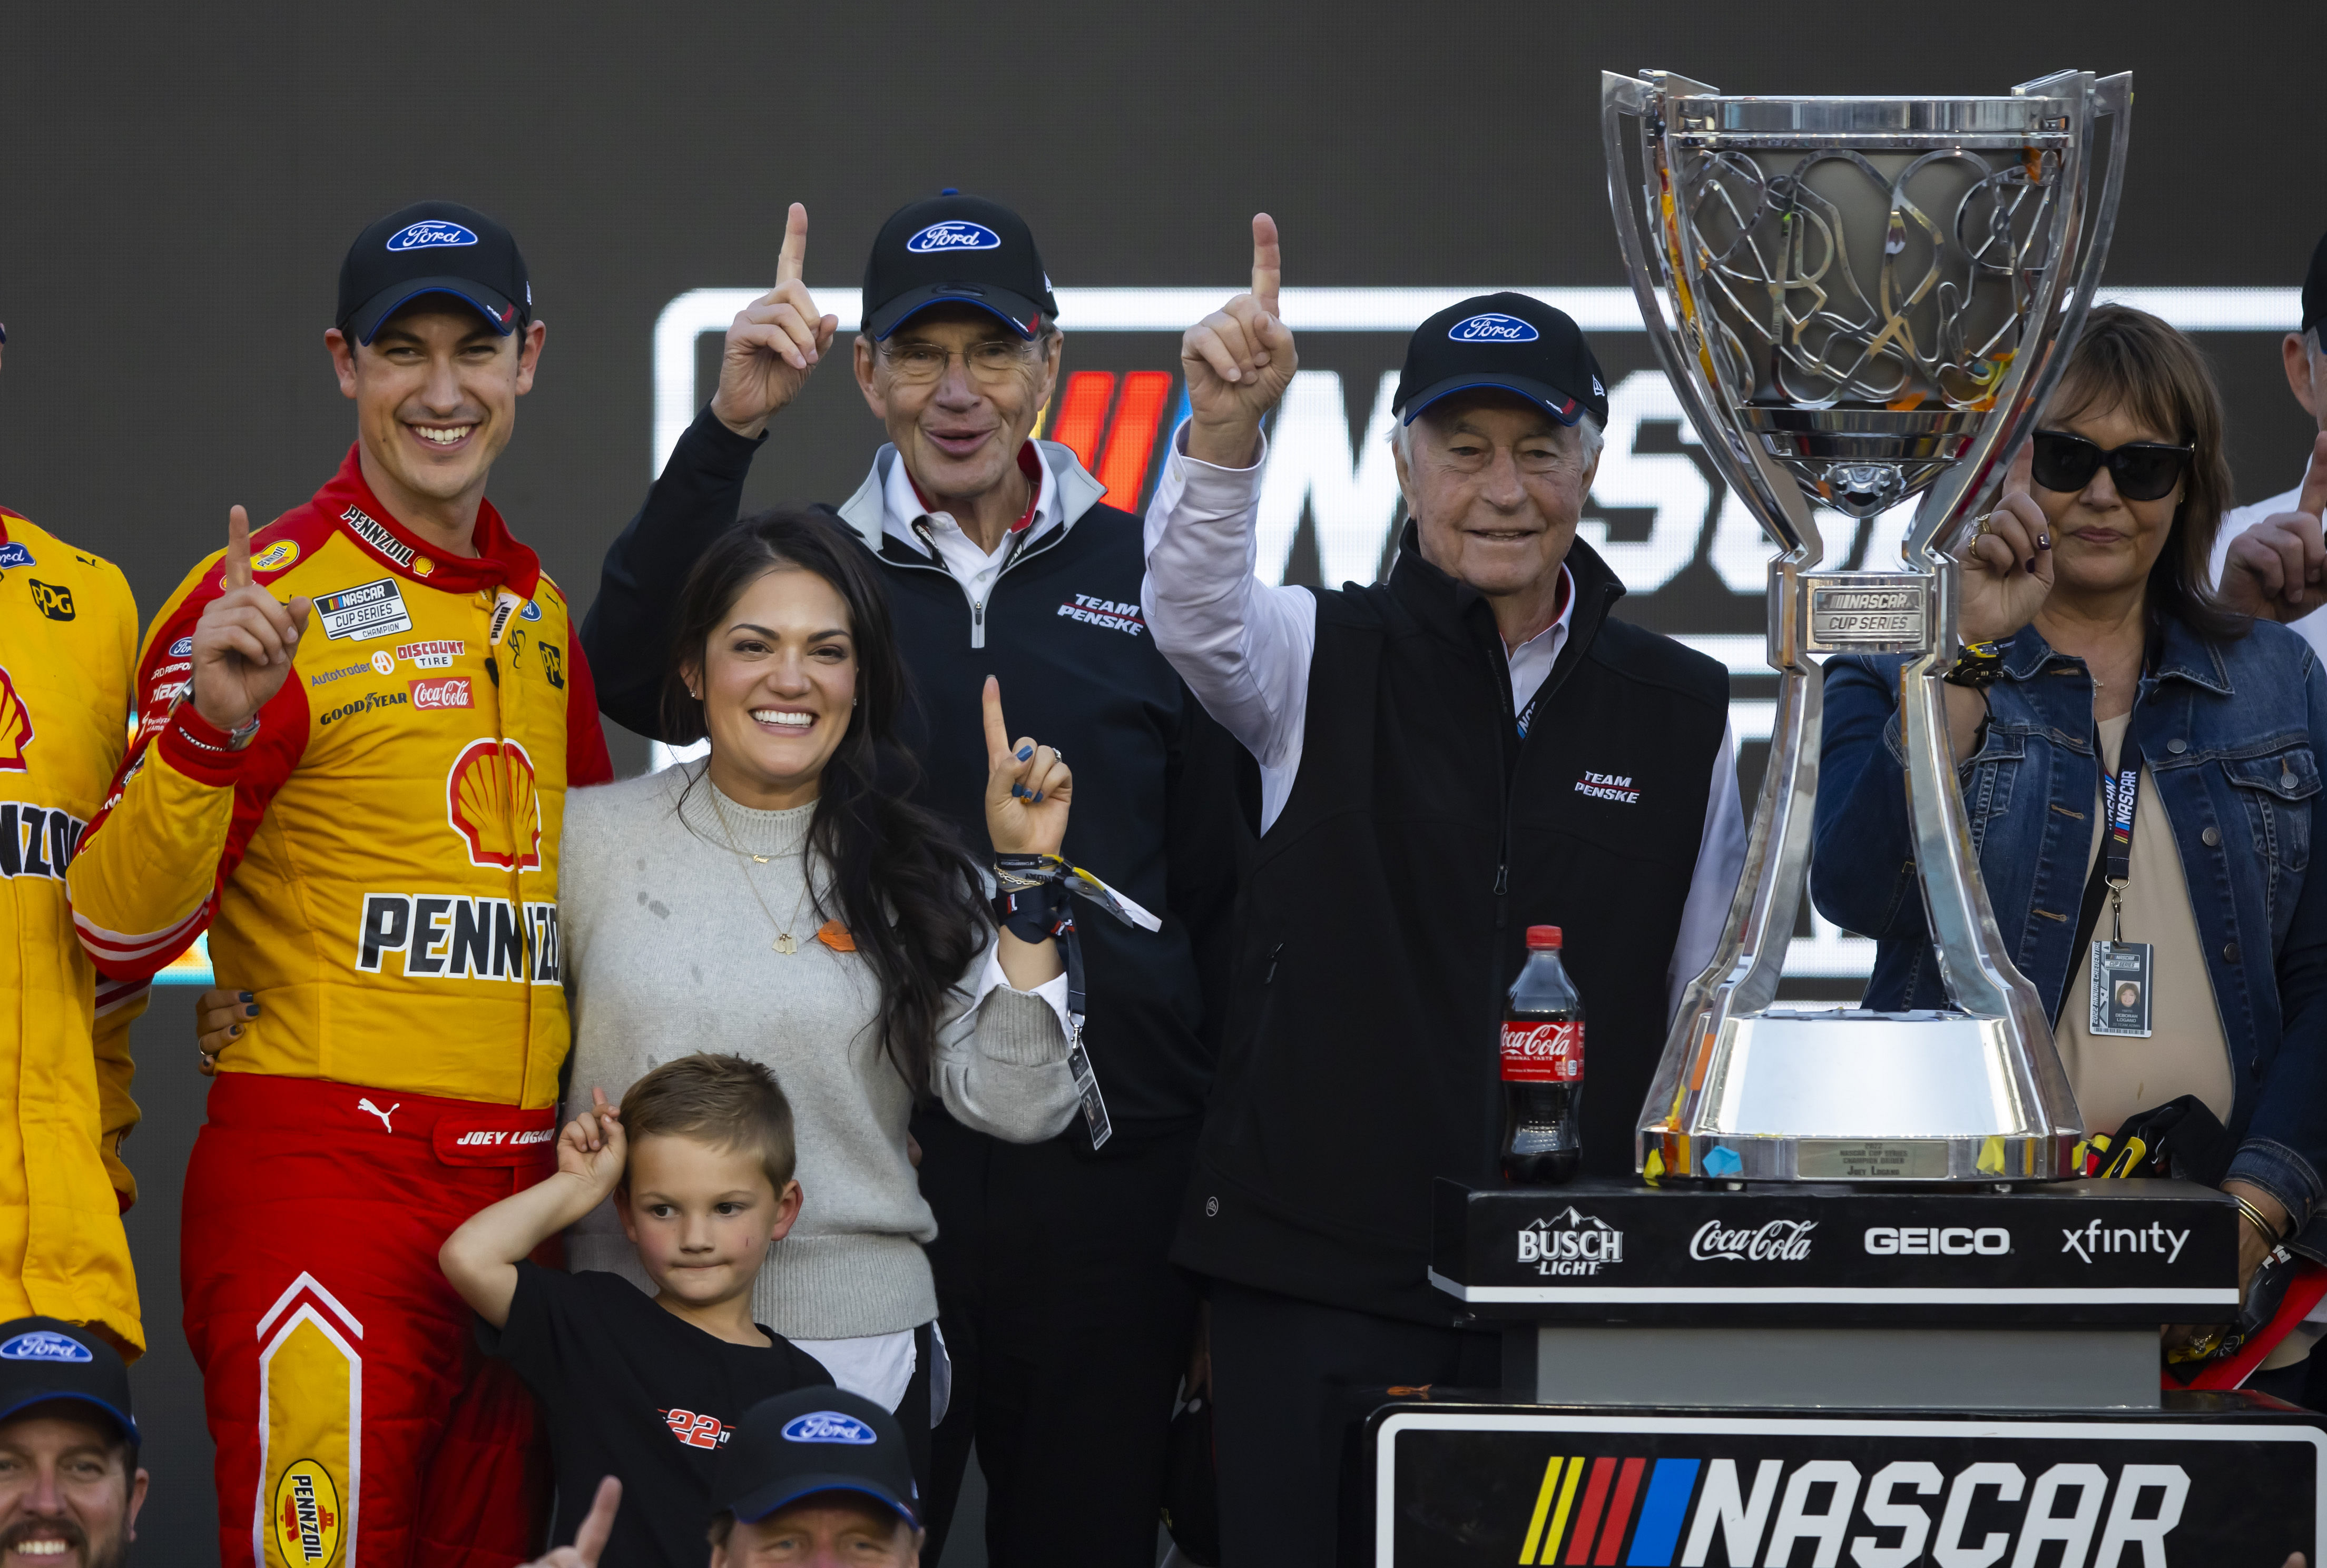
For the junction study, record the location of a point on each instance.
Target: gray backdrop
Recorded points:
(179, 188)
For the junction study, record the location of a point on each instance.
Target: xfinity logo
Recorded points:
(428, 235)
(2097, 1239)
(958, 234)
(1492, 327)
(1779, 1241)
(1934, 1241)
(1570, 1243)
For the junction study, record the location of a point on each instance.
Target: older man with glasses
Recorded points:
(1067, 1326)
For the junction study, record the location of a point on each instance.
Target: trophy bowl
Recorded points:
(1858, 301)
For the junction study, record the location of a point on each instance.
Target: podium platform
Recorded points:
(1882, 1377)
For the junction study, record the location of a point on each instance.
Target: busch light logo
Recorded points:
(1492, 327)
(1570, 1243)
(429, 236)
(44, 1345)
(1779, 1241)
(954, 234)
(183, 647)
(828, 1426)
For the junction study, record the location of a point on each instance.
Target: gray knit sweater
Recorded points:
(668, 953)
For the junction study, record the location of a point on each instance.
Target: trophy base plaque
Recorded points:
(1855, 1095)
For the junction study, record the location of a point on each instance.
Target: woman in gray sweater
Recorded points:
(783, 900)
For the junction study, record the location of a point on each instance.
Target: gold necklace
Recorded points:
(783, 944)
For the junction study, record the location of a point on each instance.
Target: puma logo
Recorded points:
(365, 1104)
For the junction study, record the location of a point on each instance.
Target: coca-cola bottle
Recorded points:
(1543, 1068)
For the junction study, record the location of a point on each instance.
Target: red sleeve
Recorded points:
(586, 763)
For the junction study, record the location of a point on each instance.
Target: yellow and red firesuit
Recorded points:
(67, 641)
(378, 866)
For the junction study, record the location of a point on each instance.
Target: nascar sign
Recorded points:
(1488, 1485)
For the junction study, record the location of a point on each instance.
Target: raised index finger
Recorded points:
(2314, 499)
(2021, 477)
(997, 733)
(794, 258)
(238, 549)
(1267, 262)
(590, 1540)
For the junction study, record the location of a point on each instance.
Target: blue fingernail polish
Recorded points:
(1038, 796)
(1025, 752)
(246, 996)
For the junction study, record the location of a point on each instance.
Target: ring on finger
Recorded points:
(1987, 525)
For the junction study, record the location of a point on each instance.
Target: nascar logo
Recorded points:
(1652, 1514)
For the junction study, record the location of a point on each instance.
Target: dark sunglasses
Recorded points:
(2145, 470)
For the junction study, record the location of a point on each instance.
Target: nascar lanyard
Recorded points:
(2120, 795)
(2123, 973)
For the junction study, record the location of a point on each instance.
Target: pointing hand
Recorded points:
(1238, 361)
(774, 343)
(245, 640)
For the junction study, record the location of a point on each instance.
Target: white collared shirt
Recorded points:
(973, 567)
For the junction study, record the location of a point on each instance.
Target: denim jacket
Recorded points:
(2233, 733)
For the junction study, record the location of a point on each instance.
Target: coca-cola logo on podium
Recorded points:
(1779, 1241)
(1547, 1053)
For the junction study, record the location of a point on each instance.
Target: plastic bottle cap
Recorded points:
(1542, 937)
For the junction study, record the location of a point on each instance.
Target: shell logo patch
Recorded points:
(15, 727)
(282, 553)
(489, 800)
(306, 1514)
(422, 566)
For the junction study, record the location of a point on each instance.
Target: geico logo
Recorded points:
(37, 840)
(2097, 1239)
(1949, 1241)
(453, 937)
(366, 703)
(1972, 1518)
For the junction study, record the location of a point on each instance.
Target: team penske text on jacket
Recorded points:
(459, 937)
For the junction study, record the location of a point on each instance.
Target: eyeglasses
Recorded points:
(995, 359)
(2144, 470)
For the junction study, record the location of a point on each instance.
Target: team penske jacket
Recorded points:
(67, 641)
(380, 865)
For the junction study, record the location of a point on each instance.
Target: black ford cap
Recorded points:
(2315, 290)
(1509, 341)
(815, 1440)
(433, 247)
(956, 249)
(43, 1360)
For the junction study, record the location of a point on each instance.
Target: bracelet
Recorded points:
(235, 739)
(2255, 1217)
(1977, 666)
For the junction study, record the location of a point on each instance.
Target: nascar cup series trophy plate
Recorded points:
(1869, 299)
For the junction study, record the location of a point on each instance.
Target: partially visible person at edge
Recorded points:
(1472, 747)
(2090, 580)
(356, 789)
(1067, 1327)
(68, 646)
(785, 900)
(2268, 558)
(70, 1486)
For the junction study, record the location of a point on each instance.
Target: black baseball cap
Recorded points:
(1511, 341)
(433, 247)
(956, 249)
(815, 1440)
(43, 1360)
(2315, 290)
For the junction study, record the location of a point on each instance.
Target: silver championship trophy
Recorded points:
(1859, 300)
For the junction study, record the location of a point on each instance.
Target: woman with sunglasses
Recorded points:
(2099, 670)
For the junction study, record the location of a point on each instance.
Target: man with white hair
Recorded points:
(1472, 747)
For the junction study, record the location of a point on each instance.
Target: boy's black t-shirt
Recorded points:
(627, 1389)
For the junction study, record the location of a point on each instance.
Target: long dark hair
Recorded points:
(2131, 360)
(912, 898)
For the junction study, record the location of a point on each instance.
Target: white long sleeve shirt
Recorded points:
(1245, 648)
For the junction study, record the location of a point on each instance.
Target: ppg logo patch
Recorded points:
(44, 1345)
(828, 1426)
(429, 236)
(956, 235)
(1492, 327)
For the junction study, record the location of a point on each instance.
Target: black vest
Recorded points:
(1383, 917)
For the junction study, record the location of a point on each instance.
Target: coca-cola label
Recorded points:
(450, 691)
(1779, 1241)
(1542, 1053)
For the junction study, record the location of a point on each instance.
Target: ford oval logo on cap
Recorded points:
(44, 1345)
(429, 235)
(956, 234)
(828, 1426)
(1492, 327)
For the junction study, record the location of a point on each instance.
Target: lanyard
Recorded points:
(2120, 795)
